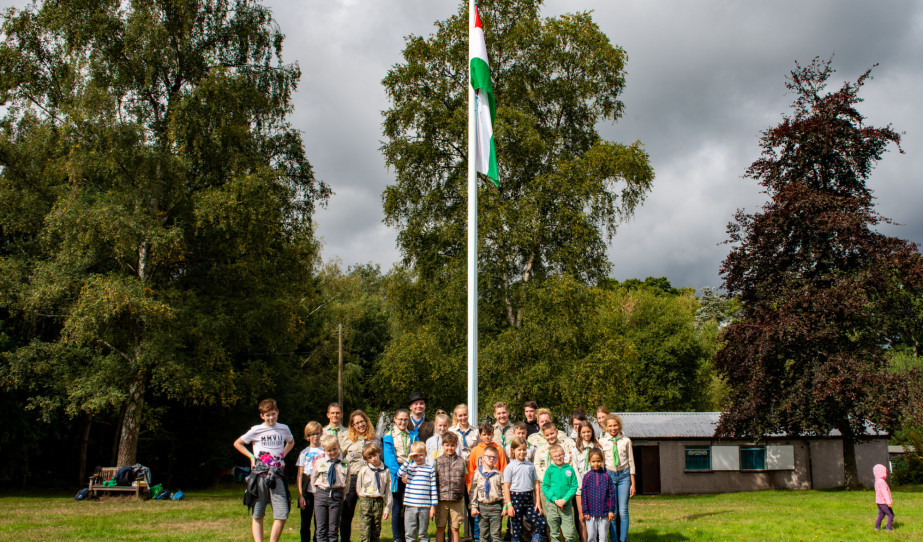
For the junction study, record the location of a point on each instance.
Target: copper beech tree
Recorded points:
(823, 294)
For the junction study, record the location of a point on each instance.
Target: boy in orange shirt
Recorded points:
(486, 432)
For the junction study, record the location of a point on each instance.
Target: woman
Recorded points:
(359, 434)
(395, 448)
(586, 441)
(621, 464)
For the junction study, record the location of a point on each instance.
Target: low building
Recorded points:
(677, 453)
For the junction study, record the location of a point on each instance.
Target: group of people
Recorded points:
(569, 485)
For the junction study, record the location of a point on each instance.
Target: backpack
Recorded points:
(178, 496)
(83, 494)
(125, 476)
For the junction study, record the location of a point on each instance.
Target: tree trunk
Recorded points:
(131, 425)
(850, 468)
(82, 459)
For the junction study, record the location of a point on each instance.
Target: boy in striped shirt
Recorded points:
(420, 496)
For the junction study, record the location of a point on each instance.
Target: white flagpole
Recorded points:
(472, 240)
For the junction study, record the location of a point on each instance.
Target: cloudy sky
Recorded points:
(704, 77)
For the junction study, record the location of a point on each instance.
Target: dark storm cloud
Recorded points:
(704, 77)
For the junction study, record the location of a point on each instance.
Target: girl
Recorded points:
(883, 498)
(621, 464)
(359, 434)
(586, 441)
(434, 443)
(521, 490)
(598, 502)
(467, 434)
(396, 445)
(312, 434)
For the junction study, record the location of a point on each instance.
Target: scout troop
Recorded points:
(575, 483)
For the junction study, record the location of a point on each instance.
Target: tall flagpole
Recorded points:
(472, 240)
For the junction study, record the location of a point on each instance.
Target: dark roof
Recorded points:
(652, 425)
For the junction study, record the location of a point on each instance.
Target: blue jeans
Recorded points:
(618, 527)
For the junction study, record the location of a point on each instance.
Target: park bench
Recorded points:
(107, 473)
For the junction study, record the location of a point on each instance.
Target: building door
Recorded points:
(647, 469)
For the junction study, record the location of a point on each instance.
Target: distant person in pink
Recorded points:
(883, 497)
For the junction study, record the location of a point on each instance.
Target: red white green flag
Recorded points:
(486, 159)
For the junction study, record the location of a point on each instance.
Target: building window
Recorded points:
(698, 458)
(752, 458)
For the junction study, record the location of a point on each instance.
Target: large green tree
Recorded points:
(563, 189)
(155, 204)
(823, 295)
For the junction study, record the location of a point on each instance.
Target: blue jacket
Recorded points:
(390, 455)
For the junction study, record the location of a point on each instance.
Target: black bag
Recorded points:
(125, 476)
(83, 494)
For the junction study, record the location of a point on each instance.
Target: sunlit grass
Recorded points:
(219, 515)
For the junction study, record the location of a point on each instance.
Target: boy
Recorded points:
(551, 437)
(434, 443)
(503, 429)
(529, 409)
(420, 497)
(373, 485)
(520, 431)
(578, 416)
(335, 427)
(271, 441)
(559, 486)
(450, 485)
(486, 495)
(312, 434)
(486, 434)
(329, 479)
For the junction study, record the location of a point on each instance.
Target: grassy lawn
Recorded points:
(219, 515)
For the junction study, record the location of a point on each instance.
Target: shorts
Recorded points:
(451, 513)
(280, 502)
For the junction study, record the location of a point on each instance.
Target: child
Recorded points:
(450, 485)
(374, 488)
(486, 495)
(271, 441)
(551, 437)
(420, 497)
(529, 409)
(486, 435)
(434, 443)
(312, 434)
(559, 487)
(620, 462)
(883, 497)
(598, 497)
(396, 449)
(521, 490)
(520, 431)
(576, 419)
(586, 441)
(329, 479)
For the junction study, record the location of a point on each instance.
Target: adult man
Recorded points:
(529, 408)
(417, 406)
(335, 427)
(503, 429)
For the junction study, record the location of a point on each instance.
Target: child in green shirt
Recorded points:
(559, 486)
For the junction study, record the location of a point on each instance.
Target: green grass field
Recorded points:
(219, 515)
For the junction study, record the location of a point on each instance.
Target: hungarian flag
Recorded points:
(486, 160)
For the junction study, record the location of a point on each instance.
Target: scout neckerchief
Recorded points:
(332, 474)
(404, 437)
(375, 475)
(586, 459)
(464, 435)
(415, 425)
(503, 429)
(486, 476)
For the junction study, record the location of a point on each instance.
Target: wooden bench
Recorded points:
(107, 473)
